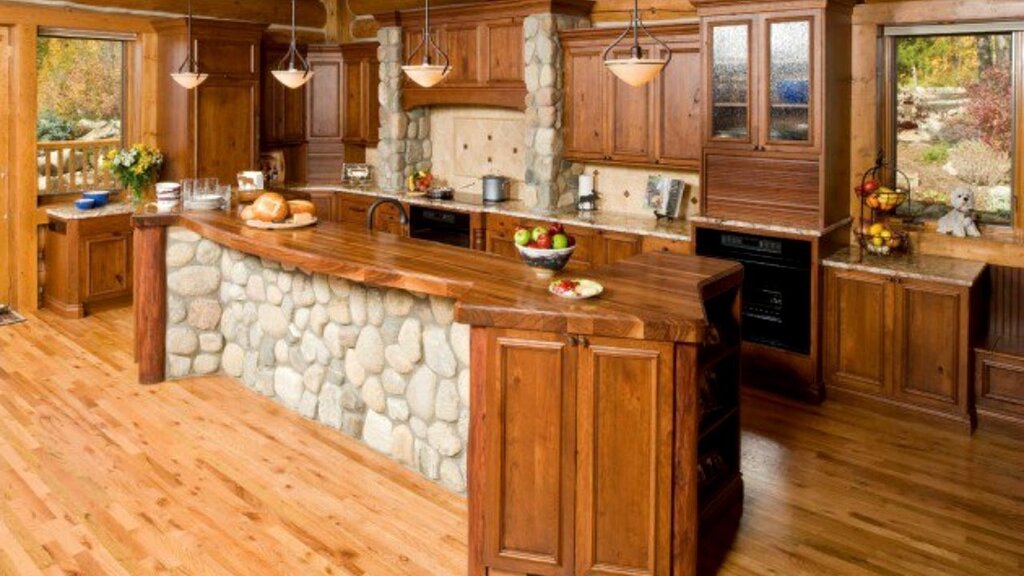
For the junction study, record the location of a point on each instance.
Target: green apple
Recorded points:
(523, 237)
(538, 232)
(560, 242)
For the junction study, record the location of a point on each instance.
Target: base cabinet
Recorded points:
(600, 456)
(901, 342)
(88, 263)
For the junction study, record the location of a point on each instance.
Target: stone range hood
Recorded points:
(405, 144)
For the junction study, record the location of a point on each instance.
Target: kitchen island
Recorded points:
(599, 435)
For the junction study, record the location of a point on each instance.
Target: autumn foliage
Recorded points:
(79, 80)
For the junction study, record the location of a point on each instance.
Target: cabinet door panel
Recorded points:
(354, 129)
(789, 96)
(530, 439)
(632, 127)
(584, 104)
(617, 246)
(225, 133)
(462, 45)
(679, 141)
(105, 265)
(929, 334)
(857, 333)
(324, 100)
(624, 458)
(504, 51)
(730, 60)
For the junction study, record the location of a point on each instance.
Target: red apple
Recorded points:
(544, 242)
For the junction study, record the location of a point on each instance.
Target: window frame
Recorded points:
(888, 109)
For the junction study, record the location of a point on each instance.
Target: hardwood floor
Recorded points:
(101, 476)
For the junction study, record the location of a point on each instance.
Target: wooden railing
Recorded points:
(74, 166)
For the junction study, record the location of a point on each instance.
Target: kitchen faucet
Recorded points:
(403, 218)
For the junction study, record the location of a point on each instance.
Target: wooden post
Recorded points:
(150, 269)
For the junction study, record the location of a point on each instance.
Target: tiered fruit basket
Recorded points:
(883, 189)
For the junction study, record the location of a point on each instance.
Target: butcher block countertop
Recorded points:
(653, 296)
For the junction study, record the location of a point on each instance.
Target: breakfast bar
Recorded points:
(586, 433)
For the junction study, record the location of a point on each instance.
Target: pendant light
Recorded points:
(636, 70)
(428, 74)
(188, 74)
(293, 77)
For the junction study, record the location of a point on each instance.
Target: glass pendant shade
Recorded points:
(293, 76)
(426, 75)
(188, 75)
(189, 80)
(638, 69)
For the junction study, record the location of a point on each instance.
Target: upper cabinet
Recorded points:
(283, 110)
(775, 150)
(762, 82)
(213, 130)
(485, 49)
(360, 78)
(608, 121)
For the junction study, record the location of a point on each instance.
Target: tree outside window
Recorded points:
(954, 122)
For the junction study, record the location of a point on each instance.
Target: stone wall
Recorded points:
(404, 136)
(388, 367)
(553, 179)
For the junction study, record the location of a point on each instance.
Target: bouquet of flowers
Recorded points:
(135, 168)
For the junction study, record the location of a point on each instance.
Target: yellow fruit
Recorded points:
(886, 234)
(876, 229)
(877, 242)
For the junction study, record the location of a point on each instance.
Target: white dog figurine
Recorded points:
(960, 220)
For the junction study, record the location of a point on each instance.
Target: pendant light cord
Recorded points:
(637, 51)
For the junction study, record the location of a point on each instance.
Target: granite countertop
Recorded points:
(911, 266)
(611, 221)
(770, 228)
(69, 212)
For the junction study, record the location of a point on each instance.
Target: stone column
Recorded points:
(547, 173)
(404, 136)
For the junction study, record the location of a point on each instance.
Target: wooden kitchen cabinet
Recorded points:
(88, 264)
(486, 51)
(656, 244)
(615, 246)
(226, 106)
(900, 342)
(769, 76)
(352, 209)
(608, 121)
(361, 77)
(560, 490)
(282, 110)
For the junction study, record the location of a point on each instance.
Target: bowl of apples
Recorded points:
(546, 250)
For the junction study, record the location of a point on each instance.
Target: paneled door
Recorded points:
(530, 442)
(624, 458)
(859, 339)
(5, 199)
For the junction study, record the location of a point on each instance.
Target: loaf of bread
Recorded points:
(297, 207)
(248, 213)
(270, 207)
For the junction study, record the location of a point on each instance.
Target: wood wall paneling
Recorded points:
(5, 162)
(308, 13)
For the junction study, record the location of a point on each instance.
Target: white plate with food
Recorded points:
(300, 221)
(272, 212)
(576, 289)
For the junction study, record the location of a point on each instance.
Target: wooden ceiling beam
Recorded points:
(308, 13)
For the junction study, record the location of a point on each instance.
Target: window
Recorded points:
(952, 113)
(80, 93)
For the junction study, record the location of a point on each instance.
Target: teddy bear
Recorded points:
(960, 220)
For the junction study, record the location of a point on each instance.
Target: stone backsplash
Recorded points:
(386, 366)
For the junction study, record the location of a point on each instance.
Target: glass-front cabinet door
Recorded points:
(789, 107)
(731, 113)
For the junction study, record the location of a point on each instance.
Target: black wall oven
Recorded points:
(438, 225)
(776, 285)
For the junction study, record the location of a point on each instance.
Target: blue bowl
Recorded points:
(85, 204)
(100, 199)
(794, 91)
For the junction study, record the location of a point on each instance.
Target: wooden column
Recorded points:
(150, 269)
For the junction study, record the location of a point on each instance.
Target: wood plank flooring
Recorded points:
(101, 476)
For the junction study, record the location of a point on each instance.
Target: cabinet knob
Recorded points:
(584, 341)
(574, 341)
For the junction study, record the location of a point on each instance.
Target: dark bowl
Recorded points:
(546, 262)
(85, 204)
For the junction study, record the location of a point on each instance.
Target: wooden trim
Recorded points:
(150, 295)
(470, 12)
(5, 150)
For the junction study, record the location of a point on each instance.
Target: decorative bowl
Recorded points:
(882, 241)
(85, 204)
(546, 262)
(100, 199)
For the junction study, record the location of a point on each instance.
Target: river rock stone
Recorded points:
(274, 295)
(329, 406)
(179, 254)
(211, 342)
(204, 313)
(182, 341)
(354, 371)
(377, 432)
(421, 393)
(393, 382)
(233, 360)
(288, 386)
(373, 394)
(370, 349)
(402, 445)
(313, 378)
(206, 364)
(193, 281)
(178, 366)
(255, 289)
(443, 310)
(451, 476)
(340, 312)
(447, 405)
(438, 353)
(397, 360)
(273, 321)
(397, 303)
(410, 338)
(443, 438)
(460, 342)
